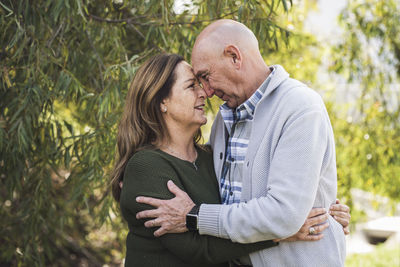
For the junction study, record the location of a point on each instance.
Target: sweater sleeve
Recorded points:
(292, 182)
(147, 175)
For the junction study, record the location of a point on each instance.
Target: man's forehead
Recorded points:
(201, 63)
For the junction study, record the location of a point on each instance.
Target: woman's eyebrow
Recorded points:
(190, 80)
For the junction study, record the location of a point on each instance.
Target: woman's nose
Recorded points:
(201, 92)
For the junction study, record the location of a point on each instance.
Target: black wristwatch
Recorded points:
(192, 218)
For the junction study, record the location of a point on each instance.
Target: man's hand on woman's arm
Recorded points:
(170, 214)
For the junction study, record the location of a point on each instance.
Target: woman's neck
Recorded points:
(179, 144)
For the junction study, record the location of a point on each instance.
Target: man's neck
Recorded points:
(259, 77)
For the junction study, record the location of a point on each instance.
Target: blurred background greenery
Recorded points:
(65, 66)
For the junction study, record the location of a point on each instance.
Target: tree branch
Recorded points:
(80, 250)
(153, 45)
(133, 20)
(55, 34)
(99, 61)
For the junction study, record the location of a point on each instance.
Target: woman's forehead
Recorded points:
(187, 68)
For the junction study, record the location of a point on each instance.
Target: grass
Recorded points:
(383, 256)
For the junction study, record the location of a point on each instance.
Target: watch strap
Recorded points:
(192, 218)
(195, 210)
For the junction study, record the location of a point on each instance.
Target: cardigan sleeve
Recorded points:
(292, 187)
(147, 174)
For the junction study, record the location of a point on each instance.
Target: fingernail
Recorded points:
(138, 199)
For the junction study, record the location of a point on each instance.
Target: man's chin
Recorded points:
(230, 104)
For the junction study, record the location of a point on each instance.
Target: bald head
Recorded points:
(216, 36)
(227, 60)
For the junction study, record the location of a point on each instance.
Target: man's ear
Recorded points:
(233, 52)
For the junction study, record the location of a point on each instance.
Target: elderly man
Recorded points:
(274, 156)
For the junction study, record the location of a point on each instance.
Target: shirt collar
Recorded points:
(247, 108)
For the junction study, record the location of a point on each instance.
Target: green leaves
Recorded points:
(367, 57)
(285, 4)
(65, 67)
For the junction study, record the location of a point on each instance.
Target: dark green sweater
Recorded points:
(146, 174)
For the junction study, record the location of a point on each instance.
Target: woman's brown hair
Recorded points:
(142, 123)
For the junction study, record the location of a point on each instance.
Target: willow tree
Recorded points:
(65, 66)
(368, 129)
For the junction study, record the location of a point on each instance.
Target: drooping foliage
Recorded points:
(65, 66)
(367, 125)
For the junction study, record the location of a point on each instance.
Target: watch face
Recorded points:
(191, 222)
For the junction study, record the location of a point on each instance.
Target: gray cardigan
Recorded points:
(290, 167)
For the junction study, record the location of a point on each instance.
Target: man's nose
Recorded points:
(208, 90)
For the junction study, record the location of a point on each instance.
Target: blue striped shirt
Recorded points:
(238, 123)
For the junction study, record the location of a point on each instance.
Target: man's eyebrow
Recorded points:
(200, 73)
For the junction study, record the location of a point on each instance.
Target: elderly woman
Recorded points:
(157, 142)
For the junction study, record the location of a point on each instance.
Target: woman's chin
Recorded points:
(201, 120)
(204, 121)
(198, 122)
